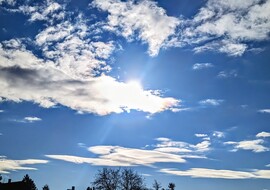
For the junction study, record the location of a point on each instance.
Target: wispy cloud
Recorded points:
(199, 66)
(201, 135)
(7, 165)
(211, 102)
(32, 119)
(165, 151)
(263, 134)
(253, 145)
(78, 67)
(218, 134)
(27, 120)
(222, 26)
(151, 22)
(228, 26)
(9, 2)
(227, 74)
(264, 111)
(121, 156)
(220, 174)
(47, 10)
(1, 111)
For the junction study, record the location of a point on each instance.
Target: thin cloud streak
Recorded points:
(253, 145)
(165, 151)
(263, 134)
(219, 174)
(8, 165)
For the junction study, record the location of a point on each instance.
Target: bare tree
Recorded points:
(171, 186)
(116, 179)
(130, 180)
(107, 179)
(156, 185)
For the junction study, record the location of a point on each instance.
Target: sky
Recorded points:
(177, 90)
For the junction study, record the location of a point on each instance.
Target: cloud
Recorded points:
(165, 151)
(264, 111)
(7, 165)
(32, 119)
(27, 120)
(168, 145)
(121, 156)
(9, 2)
(1, 111)
(227, 74)
(210, 102)
(48, 11)
(221, 26)
(253, 145)
(218, 134)
(220, 174)
(73, 67)
(228, 27)
(201, 135)
(199, 66)
(263, 134)
(142, 20)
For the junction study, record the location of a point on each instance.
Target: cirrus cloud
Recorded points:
(7, 165)
(220, 174)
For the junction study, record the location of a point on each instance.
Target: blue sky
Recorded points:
(176, 90)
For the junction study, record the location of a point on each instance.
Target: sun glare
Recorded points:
(135, 84)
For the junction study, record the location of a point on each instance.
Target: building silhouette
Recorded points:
(17, 185)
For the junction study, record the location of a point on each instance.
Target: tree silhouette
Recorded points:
(171, 186)
(107, 179)
(156, 185)
(130, 180)
(29, 182)
(45, 187)
(116, 179)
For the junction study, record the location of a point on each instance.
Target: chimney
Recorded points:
(9, 180)
(73, 188)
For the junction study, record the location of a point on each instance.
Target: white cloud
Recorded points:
(9, 2)
(121, 156)
(7, 165)
(168, 145)
(74, 68)
(253, 145)
(223, 26)
(220, 174)
(32, 119)
(199, 66)
(1, 111)
(210, 102)
(27, 120)
(201, 135)
(218, 134)
(46, 11)
(227, 74)
(228, 26)
(264, 111)
(145, 17)
(263, 134)
(166, 151)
